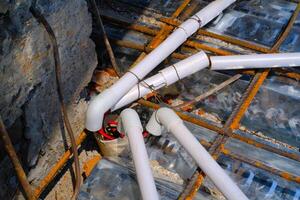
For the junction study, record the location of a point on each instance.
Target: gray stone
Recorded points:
(28, 87)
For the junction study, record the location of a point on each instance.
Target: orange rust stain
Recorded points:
(258, 164)
(162, 34)
(89, 165)
(53, 171)
(180, 8)
(196, 187)
(224, 150)
(246, 103)
(175, 22)
(201, 112)
(111, 72)
(197, 45)
(285, 175)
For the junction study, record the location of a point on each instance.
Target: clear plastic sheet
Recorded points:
(257, 184)
(258, 21)
(115, 179)
(112, 181)
(273, 114)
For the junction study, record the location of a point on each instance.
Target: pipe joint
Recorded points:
(96, 110)
(133, 128)
(163, 116)
(169, 119)
(130, 119)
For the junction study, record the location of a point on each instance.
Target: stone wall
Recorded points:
(27, 89)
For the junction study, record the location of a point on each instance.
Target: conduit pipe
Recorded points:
(165, 77)
(133, 128)
(104, 101)
(255, 61)
(168, 118)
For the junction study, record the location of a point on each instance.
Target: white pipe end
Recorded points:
(164, 116)
(153, 126)
(96, 110)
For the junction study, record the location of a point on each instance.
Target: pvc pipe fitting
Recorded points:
(255, 61)
(133, 128)
(165, 77)
(105, 101)
(169, 119)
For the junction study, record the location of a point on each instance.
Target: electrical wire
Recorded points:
(40, 18)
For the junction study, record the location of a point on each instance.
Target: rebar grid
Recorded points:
(148, 48)
(191, 44)
(233, 121)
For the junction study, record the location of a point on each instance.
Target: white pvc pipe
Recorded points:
(255, 61)
(210, 167)
(134, 130)
(165, 77)
(103, 102)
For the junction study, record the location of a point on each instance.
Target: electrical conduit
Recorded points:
(165, 77)
(133, 128)
(255, 61)
(173, 124)
(104, 101)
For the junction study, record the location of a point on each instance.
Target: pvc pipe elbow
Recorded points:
(133, 128)
(130, 119)
(153, 126)
(96, 110)
(165, 116)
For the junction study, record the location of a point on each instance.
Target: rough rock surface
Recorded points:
(27, 77)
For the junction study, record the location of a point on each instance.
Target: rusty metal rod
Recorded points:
(209, 92)
(180, 9)
(105, 38)
(10, 150)
(233, 121)
(286, 175)
(232, 40)
(58, 166)
(221, 131)
(153, 32)
(287, 30)
(193, 44)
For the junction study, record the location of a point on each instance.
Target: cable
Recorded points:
(40, 18)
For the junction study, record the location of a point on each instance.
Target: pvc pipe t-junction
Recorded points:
(173, 124)
(133, 128)
(255, 61)
(165, 77)
(104, 101)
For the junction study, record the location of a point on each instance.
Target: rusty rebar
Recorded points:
(192, 44)
(209, 92)
(58, 166)
(234, 119)
(10, 150)
(105, 38)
